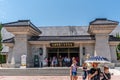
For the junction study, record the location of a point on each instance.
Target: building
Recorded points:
(27, 39)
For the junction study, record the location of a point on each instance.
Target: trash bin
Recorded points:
(36, 61)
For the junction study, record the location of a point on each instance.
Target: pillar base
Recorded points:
(22, 67)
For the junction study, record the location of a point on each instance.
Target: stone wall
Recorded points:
(20, 48)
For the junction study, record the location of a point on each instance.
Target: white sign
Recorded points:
(23, 60)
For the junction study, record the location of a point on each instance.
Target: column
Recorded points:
(44, 51)
(19, 49)
(44, 54)
(113, 53)
(102, 47)
(10, 56)
(81, 54)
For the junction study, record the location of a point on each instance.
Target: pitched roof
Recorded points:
(22, 23)
(62, 38)
(63, 30)
(113, 38)
(10, 40)
(103, 21)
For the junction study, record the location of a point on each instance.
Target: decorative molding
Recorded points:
(22, 30)
(11, 45)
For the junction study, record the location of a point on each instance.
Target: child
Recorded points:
(106, 74)
(73, 70)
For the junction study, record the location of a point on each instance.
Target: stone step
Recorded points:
(52, 71)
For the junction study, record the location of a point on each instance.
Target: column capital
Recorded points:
(10, 45)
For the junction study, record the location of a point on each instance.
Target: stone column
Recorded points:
(44, 51)
(20, 48)
(10, 56)
(113, 53)
(102, 46)
(81, 54)
(101, 28)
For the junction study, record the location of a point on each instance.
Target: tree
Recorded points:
(118, 47)
(118, 35)
(0, 38)
(0, 43)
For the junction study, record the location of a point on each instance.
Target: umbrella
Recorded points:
(97, 59)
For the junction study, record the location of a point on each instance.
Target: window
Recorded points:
(83, 50)
(40, 51)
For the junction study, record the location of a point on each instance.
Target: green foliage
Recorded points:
(0, 38)
(118, 47)
(118, 56)
(2, 57)
(118, 35)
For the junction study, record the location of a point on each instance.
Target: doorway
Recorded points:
(64, 52)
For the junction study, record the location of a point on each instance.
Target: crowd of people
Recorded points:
(93, 73)
(60, 61)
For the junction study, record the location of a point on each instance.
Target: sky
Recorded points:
(59, 12)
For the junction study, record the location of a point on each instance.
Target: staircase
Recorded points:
(46, 71)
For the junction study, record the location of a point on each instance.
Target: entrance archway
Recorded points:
(64, 52)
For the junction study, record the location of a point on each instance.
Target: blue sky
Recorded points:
(59, 12)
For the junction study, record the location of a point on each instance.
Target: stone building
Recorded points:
(24, 38)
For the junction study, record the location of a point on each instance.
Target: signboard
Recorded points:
(23, 60)
(62, 44)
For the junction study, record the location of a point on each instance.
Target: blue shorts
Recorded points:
(74, 73)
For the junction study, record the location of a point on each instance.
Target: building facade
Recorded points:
(71, 41)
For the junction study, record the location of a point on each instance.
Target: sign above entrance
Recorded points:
(62, 44)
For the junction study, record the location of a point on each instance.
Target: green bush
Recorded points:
(2, 58)
(118, 56)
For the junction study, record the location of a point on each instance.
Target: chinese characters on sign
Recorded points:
(60, 44)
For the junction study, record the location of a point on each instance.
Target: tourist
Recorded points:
(56, 62)
(65, 61)
(49, 61)
(85, 71)
(94, 73)
(106, 74)
(60, 61)
(73, 70)
(77, 59)
(73, 58)
(68, 61)
(53, 61)
(41, 60)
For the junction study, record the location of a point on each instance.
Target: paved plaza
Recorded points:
(45, 78)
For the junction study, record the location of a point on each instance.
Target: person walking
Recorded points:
(73, 70)
(85, 71)
(41, 60)
(94, 73)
